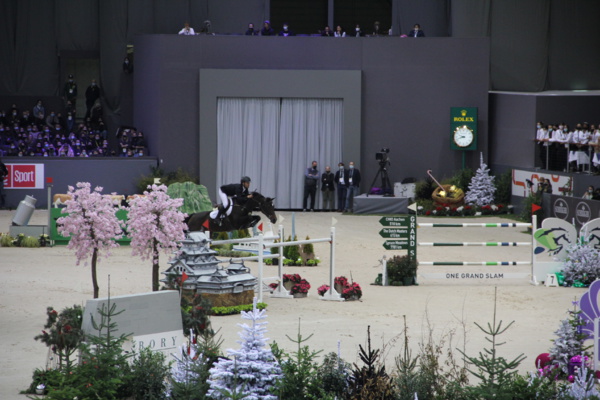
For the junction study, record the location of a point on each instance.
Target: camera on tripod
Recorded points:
(382, 156)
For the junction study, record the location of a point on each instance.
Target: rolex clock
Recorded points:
(463, 128)
(463, 136)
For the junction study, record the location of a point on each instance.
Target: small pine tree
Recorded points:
(481, 189)
(569, 341)
(494, 372)
(252, 370)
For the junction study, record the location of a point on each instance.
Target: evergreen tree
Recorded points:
(481, 189)
(250, 371)
(569, 341)
(582, 263)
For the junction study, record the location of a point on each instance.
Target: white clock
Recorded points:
(463, 136)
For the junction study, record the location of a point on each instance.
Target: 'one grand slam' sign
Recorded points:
(152, 320)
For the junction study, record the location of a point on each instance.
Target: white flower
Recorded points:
(478, 213)
(434, 212)
(41, 386)
(420, 208)
(494, 207)
(459, 209)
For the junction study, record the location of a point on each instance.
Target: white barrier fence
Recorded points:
(281, 292)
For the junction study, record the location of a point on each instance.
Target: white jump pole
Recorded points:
(533, 229)
(260, 266)
(332, 294)
(281, 291)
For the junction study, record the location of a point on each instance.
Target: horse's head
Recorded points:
(265, 204)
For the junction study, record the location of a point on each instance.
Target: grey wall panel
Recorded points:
(119, 175)
(513, 129)
(408, 87)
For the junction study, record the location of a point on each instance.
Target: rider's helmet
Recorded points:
(245, 179)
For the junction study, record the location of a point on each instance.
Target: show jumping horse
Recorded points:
(240, 218)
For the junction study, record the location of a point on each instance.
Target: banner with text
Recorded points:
(24, 176)
(526, 182)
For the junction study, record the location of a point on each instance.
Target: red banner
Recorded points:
(24, 176)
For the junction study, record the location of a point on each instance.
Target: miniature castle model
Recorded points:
(230, 286)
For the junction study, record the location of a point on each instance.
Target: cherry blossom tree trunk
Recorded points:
(94, 278)
(154, 265)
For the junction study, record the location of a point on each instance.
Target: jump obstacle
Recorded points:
(281, 292)
(482, 244)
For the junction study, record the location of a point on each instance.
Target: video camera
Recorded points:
(382, 156)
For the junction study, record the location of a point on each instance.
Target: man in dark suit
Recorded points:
(416, 32)
(328, 189)
(340, 181)
(352, 183)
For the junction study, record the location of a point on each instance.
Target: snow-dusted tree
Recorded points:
(92, 223)
(569, 341)
(584, 384)
(155, 223)
(481, 189)
(582, 263)
(251, 371)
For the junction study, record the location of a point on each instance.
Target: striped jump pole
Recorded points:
(490, 244)
(477, 225)
(474, 262)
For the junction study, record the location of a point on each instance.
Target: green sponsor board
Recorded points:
(56, 213)
(403, 221)
(396, 244)
(404, 230)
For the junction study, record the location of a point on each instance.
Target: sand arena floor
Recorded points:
(34, 279)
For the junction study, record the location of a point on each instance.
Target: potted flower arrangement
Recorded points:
(300, 289)
(339, 283)
(40, 389)
(401, 270)
(290, 279)
(322, 290)
(352, 292)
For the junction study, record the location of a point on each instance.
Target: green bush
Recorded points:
(6, 240)
(51, 378)
(149, 373)
(30, 241)
(462, 179)
(424, 189)
(236, 309)
(503, 184)
(525, 215)
(400, 267)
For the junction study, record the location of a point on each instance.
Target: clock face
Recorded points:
(463, 136)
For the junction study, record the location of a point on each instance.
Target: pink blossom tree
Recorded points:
(155, 223)
(90, 219)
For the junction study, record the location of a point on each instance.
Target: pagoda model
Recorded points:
(223, 287)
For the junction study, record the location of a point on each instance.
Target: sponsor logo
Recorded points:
(560, 209)
(583, 213)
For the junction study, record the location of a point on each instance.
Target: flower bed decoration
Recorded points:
(352, 292)
(301, 287)
(322, 290)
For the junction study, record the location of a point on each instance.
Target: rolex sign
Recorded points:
(463, 128)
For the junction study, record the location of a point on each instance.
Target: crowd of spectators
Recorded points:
(286, 30)
(565, 149)
(45, 133)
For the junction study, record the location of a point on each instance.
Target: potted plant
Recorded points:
(300, 289)
(322, 290)
(339, 283)
(290, 279)
(352, 292)
(40, 389)
(401, 270)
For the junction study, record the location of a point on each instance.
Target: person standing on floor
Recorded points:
(3, 175)
(340, 181)
(311, 179)
(328, 189)
(352, 183)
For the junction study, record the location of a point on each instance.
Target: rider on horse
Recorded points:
(237, 191)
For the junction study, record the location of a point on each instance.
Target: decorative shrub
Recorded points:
(354, 290)
(341, 280)
(322, 290)
(6, 240)
(294, 278)
(302, 287)
(30, 241)
(400, 267)
(582, 265)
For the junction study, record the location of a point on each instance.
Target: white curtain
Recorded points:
(274, 140)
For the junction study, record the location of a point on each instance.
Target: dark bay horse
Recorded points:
(240, 218)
